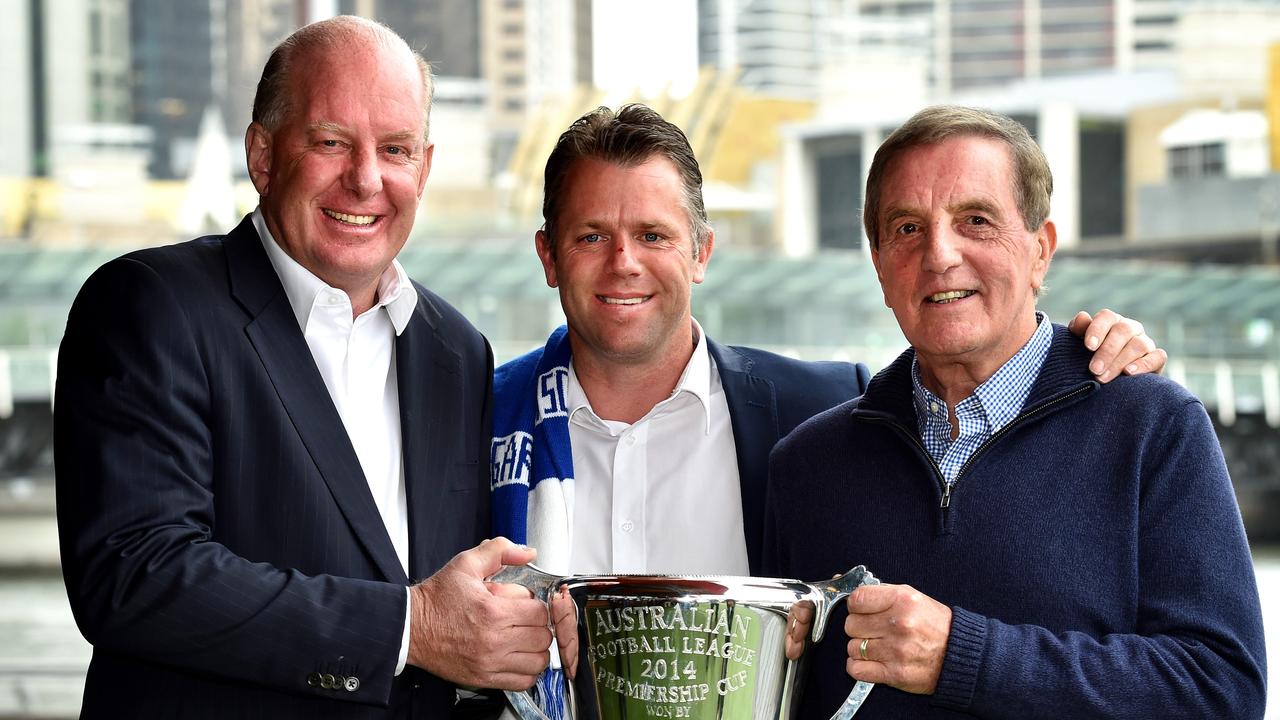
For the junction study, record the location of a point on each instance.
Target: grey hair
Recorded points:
(1032, 180)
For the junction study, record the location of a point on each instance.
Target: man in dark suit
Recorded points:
(266, 440)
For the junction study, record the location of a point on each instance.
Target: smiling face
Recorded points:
(340, 180)
(624, 263)
(956, 263)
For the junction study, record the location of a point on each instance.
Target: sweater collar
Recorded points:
(1066, 368)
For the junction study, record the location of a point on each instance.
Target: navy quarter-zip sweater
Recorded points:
(1092, 552)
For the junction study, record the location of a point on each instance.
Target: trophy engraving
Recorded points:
(657, 646)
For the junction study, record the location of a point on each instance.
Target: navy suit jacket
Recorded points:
(768, 396)
(221, 548)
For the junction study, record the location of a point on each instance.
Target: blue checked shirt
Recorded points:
(993, 404)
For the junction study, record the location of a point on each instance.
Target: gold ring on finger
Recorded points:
(862, 648)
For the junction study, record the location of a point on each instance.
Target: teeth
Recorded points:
(623, 301)
(949, 296)
(351, 219)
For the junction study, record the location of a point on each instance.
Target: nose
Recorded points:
(363, 177)
(942, 249)
(622, 258)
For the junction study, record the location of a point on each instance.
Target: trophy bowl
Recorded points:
(669, 646)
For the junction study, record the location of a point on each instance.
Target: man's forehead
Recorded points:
(958, 170)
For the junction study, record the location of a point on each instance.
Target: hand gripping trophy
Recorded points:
(661, 646)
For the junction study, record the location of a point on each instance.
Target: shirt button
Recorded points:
(933, 407)
(628, 526)
(630, 440)
(352, 684)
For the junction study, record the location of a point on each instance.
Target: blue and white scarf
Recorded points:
(531, 472)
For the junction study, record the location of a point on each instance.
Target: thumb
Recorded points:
(488, 557)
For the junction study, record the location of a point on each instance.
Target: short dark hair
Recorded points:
(1032, 180)
(629, 137)
(271, 102)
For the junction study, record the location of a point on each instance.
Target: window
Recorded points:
(1187, 162)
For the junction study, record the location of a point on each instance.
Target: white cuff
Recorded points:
(404, 641)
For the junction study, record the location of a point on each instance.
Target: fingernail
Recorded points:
(1131, 369)
(1092, 342)
(1095, 367)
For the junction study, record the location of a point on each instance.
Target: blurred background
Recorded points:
(1161, 120)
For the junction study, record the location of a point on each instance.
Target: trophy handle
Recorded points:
(834, 591)
(541, 584)
(531, 577)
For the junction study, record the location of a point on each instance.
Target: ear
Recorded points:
(1046, 245)
(704, 257)
(543, 244)
(257, 153)
(875, 260)
(427, 154)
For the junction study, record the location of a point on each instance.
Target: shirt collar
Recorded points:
(301, 286)
(695, 380)
(1001, 396)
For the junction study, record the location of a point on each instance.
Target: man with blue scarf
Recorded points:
(632, 442)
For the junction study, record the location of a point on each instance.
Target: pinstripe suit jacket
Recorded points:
(221, 548)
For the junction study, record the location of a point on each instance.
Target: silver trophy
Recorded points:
(663, 646)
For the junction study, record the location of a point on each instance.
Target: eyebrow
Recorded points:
(976, 205)
(594, 224)
(327, 127)
(332, 127)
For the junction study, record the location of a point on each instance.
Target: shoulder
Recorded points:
(156, 279)
(838, 379)
(449, 322)
(820, 429)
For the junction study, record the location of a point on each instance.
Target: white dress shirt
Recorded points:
(356, 358)
(660, 495)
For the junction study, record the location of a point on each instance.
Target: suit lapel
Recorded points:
(427, 371)
(753, 415)
(286, 358)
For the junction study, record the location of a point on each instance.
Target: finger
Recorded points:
(509, 590)
(507, 681)
(526, 639)
(1152, 362)
(1099, 327)
(854, 649)
(1115, 352)
(867, 671)
(1080, 323)
(870, 599)
(519, 555)
(874, 625)
(485, 559)
(793, 648)
(525, 612)
(1138, 347)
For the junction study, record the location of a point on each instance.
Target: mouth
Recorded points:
(349, 219)
(607, 300)
(950, 296)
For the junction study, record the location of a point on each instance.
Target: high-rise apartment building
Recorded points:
(70, 67)
(173, 70)
(779, 47)
(446, 32)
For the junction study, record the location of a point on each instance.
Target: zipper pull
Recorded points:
(946, 495)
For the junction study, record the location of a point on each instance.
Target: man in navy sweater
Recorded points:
(1022, 579)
